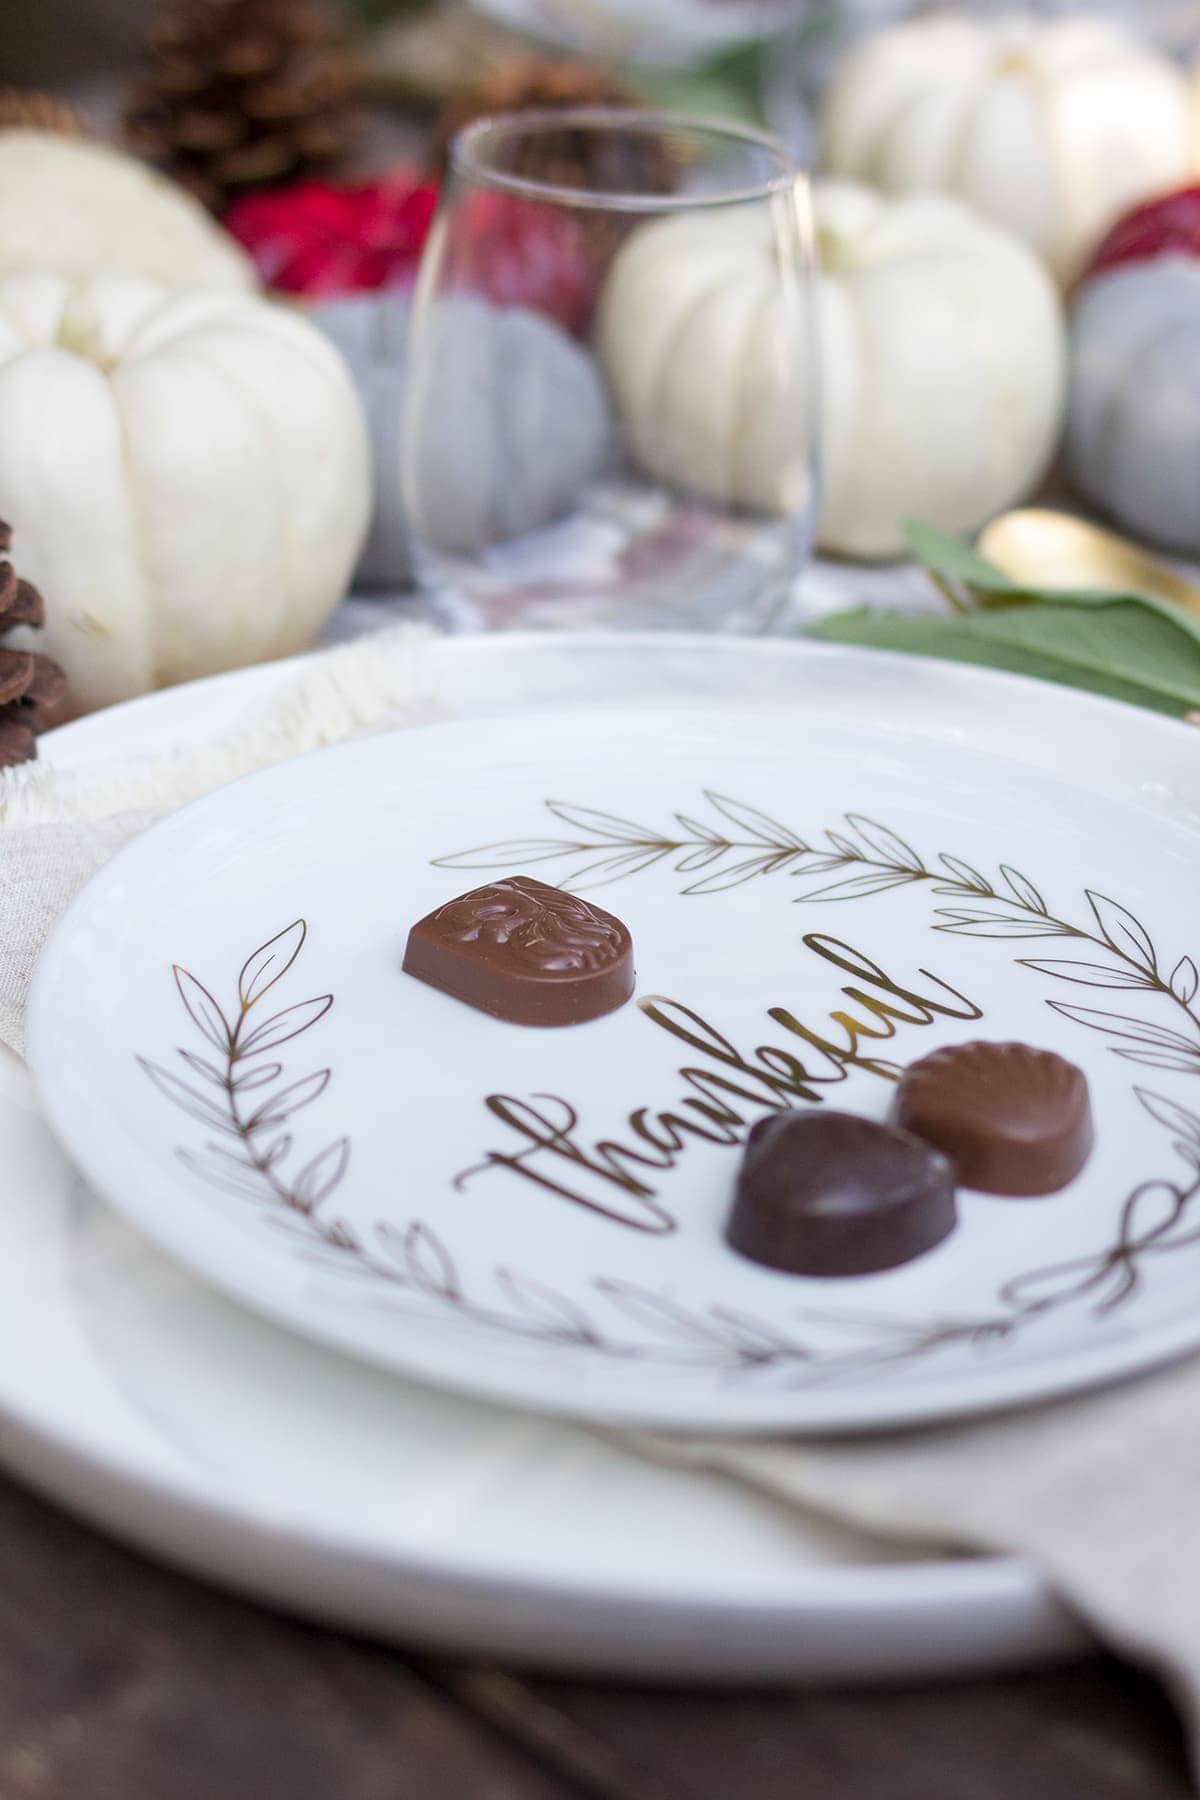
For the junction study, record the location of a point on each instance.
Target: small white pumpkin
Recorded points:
(707, 360)
(942, 363)
(70, 206)
(188, 477)
(1133, 438)
(1052, 128)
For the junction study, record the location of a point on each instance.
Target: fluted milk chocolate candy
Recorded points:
(526, 952)
(826, 1193)
(1012, 1119)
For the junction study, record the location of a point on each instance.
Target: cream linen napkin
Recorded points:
(57, 827)
(1102, 1493)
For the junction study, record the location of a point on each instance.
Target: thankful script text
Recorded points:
(725, 1090)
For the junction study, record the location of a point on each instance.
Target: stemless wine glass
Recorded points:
(611, 396)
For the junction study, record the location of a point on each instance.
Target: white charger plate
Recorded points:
(142, 1400)
(223, 1040)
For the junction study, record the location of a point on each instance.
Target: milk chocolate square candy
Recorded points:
(525, 952)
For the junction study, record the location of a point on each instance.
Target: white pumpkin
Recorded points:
(188, 477)
(1133, 440)
(707, 359)
(943, 365)
(73, 207)
(941, 350)
(1052, 128)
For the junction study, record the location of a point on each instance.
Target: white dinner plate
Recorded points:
(224, 1040)
(142, 1400)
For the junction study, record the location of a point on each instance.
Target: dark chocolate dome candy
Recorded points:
(825, 1193)
(1012, 1119)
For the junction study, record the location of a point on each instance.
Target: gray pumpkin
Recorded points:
(513, 423)
(1133, 430)
(371, 331)
(510, 420)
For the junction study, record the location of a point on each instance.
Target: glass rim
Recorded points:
(466, 162)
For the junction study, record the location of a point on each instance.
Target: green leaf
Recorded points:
(726, 87)
(703, 96)
(948, 561)
(951, 563)
(1126, 646)
(1123, 651)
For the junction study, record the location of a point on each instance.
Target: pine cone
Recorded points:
(243, 94)
(566, 158)
(25, 109)
(33, 690)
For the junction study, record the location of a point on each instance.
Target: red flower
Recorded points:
(518, 252)
(321, 241)
(1166, 226)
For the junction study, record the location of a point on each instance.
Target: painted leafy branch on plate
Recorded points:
(238, 1090)
(1110, 948)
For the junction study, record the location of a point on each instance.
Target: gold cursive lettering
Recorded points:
(767, 1079)
(543, 1133)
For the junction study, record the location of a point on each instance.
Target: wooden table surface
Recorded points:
(120, 1680)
